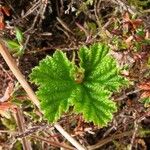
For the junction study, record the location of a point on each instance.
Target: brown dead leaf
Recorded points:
(7, 93)
(136, 23)
(145, 87)
(3, 11)
(129, 40)
(7, 106)
(130, 24)
(126, 17)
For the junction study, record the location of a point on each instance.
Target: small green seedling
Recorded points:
(89, 2)
(87, 86)
(146, 101)
(16, 46)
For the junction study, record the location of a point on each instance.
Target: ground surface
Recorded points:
(67, 24)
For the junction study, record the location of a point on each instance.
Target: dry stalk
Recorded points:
(53, 143)
(125, 6)
(20, 122)
(110, 139)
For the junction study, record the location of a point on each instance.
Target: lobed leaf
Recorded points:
(87, 87)
(53, 77)
(101, 68)
(93, 102)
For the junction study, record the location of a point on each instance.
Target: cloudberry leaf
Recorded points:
(55, 84)
(93, 102)
(87, 87)
(100, 67)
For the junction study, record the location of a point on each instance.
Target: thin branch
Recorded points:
(64, 25)
(32, 130)
(109, 139)
(53, 143)
(8, 131)
(126, 95)
(67, 136)
(32, 9)
(40, 13)
(133, 136)
(125, 6)
(20, 122)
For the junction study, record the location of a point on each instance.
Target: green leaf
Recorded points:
(13, 46)
(19, 35)
(89, 2)
(93, 102)
(140, 32)
(100, 67)
(146, 101)
(87, 87)
(56, 85)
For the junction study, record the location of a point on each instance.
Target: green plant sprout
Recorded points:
(140, 4)
(89, 2)
(16, 46)
(86, 86)
(146, 102)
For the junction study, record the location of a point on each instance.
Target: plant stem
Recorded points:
(109, 139)
(21, 127)
(53, 143)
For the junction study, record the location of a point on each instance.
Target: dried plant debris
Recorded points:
(6, 84)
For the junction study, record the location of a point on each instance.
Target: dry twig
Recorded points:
(53, 143)
(109, 139)
(20, 122)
